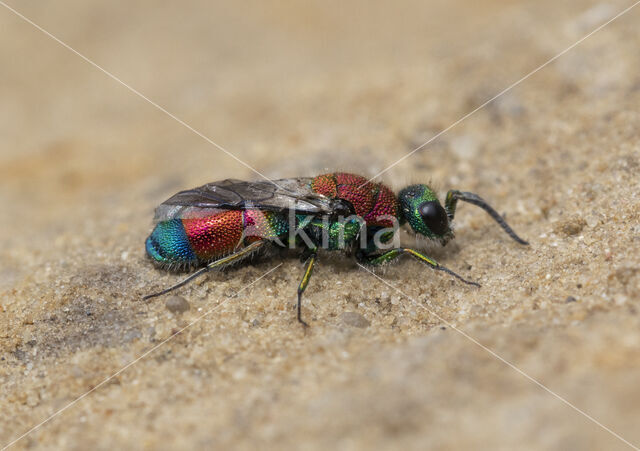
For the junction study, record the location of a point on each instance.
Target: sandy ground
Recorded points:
(297, 89)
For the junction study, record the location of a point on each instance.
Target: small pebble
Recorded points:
(177, 304)
(354, 319)
(570, 226)
(33, 400)
(570, 299)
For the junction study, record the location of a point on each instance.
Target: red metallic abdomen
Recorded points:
(226, 231)
(215, 235)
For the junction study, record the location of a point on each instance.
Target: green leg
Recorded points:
(395, 253)
(452, 199)
(242, 253)
(305, 281)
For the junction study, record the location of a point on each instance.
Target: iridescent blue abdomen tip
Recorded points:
(168, 244)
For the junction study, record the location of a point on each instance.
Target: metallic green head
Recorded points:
(420, 207)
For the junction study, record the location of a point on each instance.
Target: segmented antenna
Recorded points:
(480, 202)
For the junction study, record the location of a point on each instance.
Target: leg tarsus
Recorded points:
(242, 253)
(300, 320)
(304, 282)
(395, 253)
(457, 276)
(183, 282)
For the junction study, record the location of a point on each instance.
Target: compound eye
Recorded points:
(434, 217)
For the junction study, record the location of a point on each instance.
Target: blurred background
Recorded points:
(297, 89)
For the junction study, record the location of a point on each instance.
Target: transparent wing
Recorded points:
(231, 194)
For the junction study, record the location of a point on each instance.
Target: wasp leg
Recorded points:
(392, 254)
(242, 253)
(453, 196)
(313, 253)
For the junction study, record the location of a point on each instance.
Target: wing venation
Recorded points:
(232, 194)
